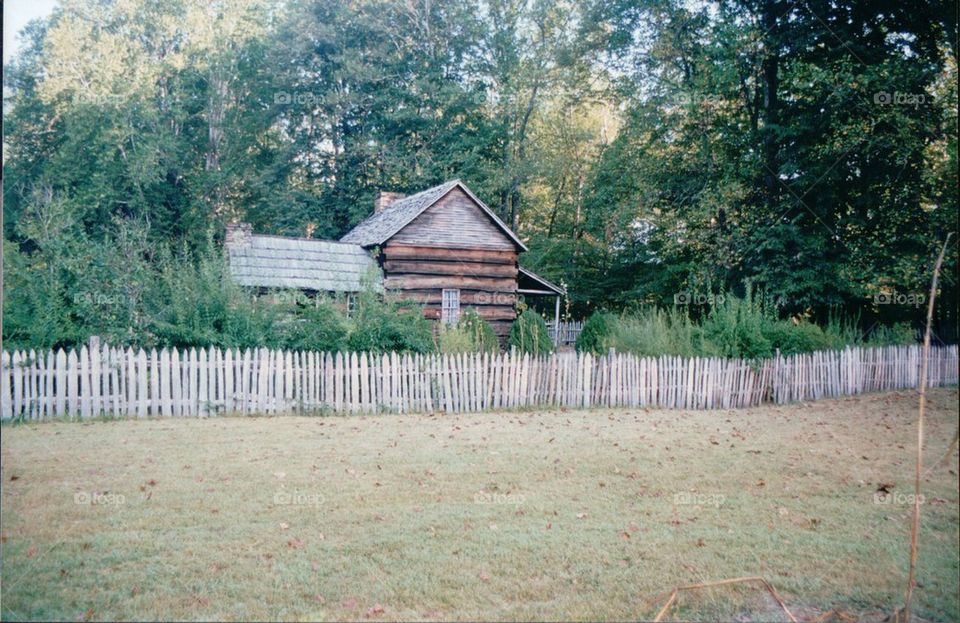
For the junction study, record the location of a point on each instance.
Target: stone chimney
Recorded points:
(238, 235)
(384, 199)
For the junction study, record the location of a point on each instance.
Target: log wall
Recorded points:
(455, 244)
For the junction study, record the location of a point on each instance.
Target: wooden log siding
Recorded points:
(487, 279)
(200, 383)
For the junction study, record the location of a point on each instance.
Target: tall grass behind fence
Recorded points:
(192, 383)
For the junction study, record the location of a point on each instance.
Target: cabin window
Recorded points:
(450, 310)
(351, 305)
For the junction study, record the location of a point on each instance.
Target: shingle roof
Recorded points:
(300, 263)
(381, 226)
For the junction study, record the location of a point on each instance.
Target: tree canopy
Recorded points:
(804, 150)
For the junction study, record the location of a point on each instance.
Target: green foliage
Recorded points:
(630, 189)
(734, 327)
(314, 326)
(529, 334)
(652, 332)
(471, 334)
(797, 337)
(737, 328)
(381, 326)
(195, 302)
(595, 333)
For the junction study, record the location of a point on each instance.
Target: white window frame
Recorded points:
(351, 304)
(450, 306)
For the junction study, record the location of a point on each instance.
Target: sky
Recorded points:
(16, 14)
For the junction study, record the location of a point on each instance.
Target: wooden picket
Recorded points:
(96, 381)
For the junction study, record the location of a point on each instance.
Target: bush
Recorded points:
(195, 302)
(735, 327)
(481, 333)
(315, 327)
(471, 334)
(381, 326)
(652, 332)
(529, 334)
(791, 338)
(596, 330)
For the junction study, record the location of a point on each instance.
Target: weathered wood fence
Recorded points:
(90, 382)
(569, 332)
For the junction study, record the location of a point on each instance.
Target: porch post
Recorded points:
(556, 323)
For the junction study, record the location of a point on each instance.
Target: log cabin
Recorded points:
(442, 247)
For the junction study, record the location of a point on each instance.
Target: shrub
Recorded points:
(793, 338)
(471, 334)
(529, 334)
(735, 327)
(898, 335)
(315, 327)
(653, 332)
(381, 326)
(452, 339)
(195, 302)
(596, 330)
(481, 333)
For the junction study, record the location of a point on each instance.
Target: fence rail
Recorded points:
(90, 382)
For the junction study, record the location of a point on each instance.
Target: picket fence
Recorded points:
(569, 332)
(91, 382)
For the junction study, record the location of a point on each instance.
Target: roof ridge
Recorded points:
(381, 226)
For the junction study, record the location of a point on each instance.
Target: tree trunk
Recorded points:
(770, 66)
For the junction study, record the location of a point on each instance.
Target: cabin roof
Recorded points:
(383, 225)
(300, 263)
(532, 283)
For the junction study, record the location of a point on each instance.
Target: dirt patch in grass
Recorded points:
(547, 515)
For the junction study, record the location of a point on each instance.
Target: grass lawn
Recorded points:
(523, 515)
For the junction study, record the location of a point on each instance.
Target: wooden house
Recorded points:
(442, 247)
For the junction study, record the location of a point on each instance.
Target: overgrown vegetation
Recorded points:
(471, 334)
(745, 327)
(529, 334)
(134, 293)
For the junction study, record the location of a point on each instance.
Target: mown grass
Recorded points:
(557, 515)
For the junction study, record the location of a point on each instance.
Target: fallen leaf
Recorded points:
(377, 609)
(296, 543)
(284, 525)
